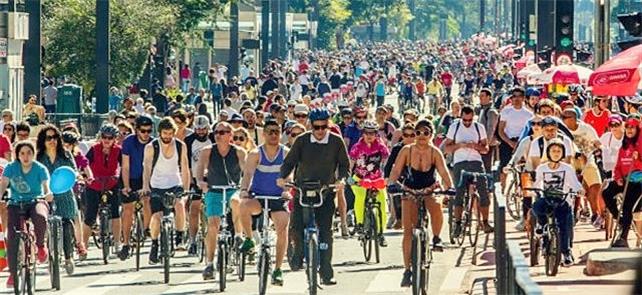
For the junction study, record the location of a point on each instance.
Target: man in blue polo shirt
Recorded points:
(132, 177)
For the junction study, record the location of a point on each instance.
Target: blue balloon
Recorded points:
(62, 180)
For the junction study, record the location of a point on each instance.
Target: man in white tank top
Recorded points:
(162, 173)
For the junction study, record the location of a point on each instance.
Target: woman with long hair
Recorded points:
(9, 130)
(242, 139)
(52, 154)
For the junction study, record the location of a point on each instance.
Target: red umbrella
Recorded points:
(620, 75)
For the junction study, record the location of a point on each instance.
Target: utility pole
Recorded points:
(602, 34)
(412, 23)
(234, 39)
(265, 31)
(102, 56)
(383, 22)
(283, 46)
(275, 29)
(315, 20)
(33, 53)
(482, 14)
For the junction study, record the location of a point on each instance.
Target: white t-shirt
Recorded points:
(534, 150)
(466, 135)
(515, 120)
(561, 179)
(584, 136)
(610, 148)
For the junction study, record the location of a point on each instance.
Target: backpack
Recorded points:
(156, 146)
(540, 144)
(476, 129)
(449, 157)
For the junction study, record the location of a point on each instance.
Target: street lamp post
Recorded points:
(33, 54)
(265, 31)
(102, 56)
(234, 39)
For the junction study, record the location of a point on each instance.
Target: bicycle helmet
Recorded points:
(346, 112)
(574, 88)
(108, 129)
(143, 120)
(370, 125)
(532, 91)
(319, 114)
(549, 121)
(555, 142)
(70, 137)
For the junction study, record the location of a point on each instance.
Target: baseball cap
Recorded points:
(615, 119)
(201, 122)
(301, 108)
(292, 102)
(567, 104)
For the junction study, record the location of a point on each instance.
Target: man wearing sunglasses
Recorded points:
(196, 142)
(132, 177)
(316, 155)
(259, 178)
(467, 141)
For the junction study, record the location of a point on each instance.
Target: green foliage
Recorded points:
(333, 14)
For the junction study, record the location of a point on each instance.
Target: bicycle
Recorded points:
(225, 238)
(311, 195)
(550, 239)
(24, 273)
(138, 229)
(514, 192)
(421, 253)
(470, 215)
(167, 230)
(612, 224)
(201, 233)
(105, 239)
(54, 242)
(265, 254)
(372, 219)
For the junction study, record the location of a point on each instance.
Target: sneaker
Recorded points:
(620, 243)
(247, 245)
(277, 277)
(344, 231)
(10, 282)
(208, 272)
(69, 266)
(598, 223)
(437, 245)
(43, 254)
(192, 249)
(82, 251)
(382, 241)
(520, 225)
(391, 222)
(328, 281)
(178, 240)
(116, 248)
(397, 225)
(238, 241)
(153, 254)
(567, 259)
(487, 228)
(406, 281)
(457, 229)
(357, 230)
(147, 233)
(124, 253)
(251, 256)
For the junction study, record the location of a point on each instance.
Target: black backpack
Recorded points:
(156, 146)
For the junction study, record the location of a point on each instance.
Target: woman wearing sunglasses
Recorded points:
(420, 160)
(366, 160)
(241, 138)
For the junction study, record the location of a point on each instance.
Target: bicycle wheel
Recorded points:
(513, 200)
(240, 265)
(313, 263)
(222, 265)
(553, 253)
(20, 273)
(376, 216)
(165, 251)
(473, 222)
(104, 236)
(54, 249)
(451, 223)
(533, 241)
(140, 238)
(264, 270)
(417, 263)
(31, 277)
(465, 222)
(367, 237)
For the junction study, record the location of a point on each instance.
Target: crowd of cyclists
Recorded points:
(323, 117)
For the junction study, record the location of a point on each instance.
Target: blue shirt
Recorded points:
(25, 187)
(381, 88)
(353, 133)
(114, 102)
(134, 149)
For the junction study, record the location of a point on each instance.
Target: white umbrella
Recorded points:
(526, 71)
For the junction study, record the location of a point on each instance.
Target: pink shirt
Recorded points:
(369, 160)
(185, 74)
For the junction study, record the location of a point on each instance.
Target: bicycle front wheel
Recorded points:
(367, 236)
(221, 263)
(513, 200)
(264, 270)
(54, 257)
(104, 237)
(553, 253)
(417, 260)
(534, 242)
(165, 251)
(20, 276)
(240, 265)
(473, 223)
(313, 263)
(140, 238)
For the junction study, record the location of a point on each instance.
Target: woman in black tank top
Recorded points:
(421, 159)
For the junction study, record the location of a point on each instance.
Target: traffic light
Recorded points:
(632, 23)
(544, 57)
(564, 28)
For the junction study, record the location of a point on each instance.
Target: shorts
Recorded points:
(92, 202)
(505, 153)
(273, 205)
(214, 202)
(156, 203)
(135, 185)
(591, 175)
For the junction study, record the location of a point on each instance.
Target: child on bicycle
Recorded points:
(555, 175)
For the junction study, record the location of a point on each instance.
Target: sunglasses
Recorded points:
(273, 131)
(360, 117)
(347, 118)
(238, 138)
(295, 134)
(107, 137)
(320, 127)
(221, 132)
(537, 123)
(408, 135)
(615, 125)
(145, 131)
(8, 129)
(51, 137)
(300, 116)
(124, 134)
(424, 133)
(467, 120)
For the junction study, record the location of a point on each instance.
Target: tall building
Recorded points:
(14, 31)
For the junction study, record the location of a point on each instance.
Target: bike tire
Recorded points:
(376, 235)
(165, 251)
(608, 226)
(222, 266)
(534, 242)
(367, 237)
(264, 270)
(54, 257)
(20, 276)
(201, 250)
(473, 223)
(104, 237)
(313, 264)
(465, 222)
(451, 223)
(140, 238)
(513, 202)
(241, 266)
(416, 263)
(554, 253)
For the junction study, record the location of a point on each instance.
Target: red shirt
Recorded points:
(447, 79)
(600, 124)
(5, 145)
(185, 74)
(625, 163)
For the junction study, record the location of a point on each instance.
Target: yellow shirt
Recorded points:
(434, 88)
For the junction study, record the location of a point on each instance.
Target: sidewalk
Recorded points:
(572, 280)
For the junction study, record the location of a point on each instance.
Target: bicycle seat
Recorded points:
(377, 184)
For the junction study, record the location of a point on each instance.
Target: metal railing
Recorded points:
(511, 267)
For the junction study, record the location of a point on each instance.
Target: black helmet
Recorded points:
(70, 137)
(143, 120)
